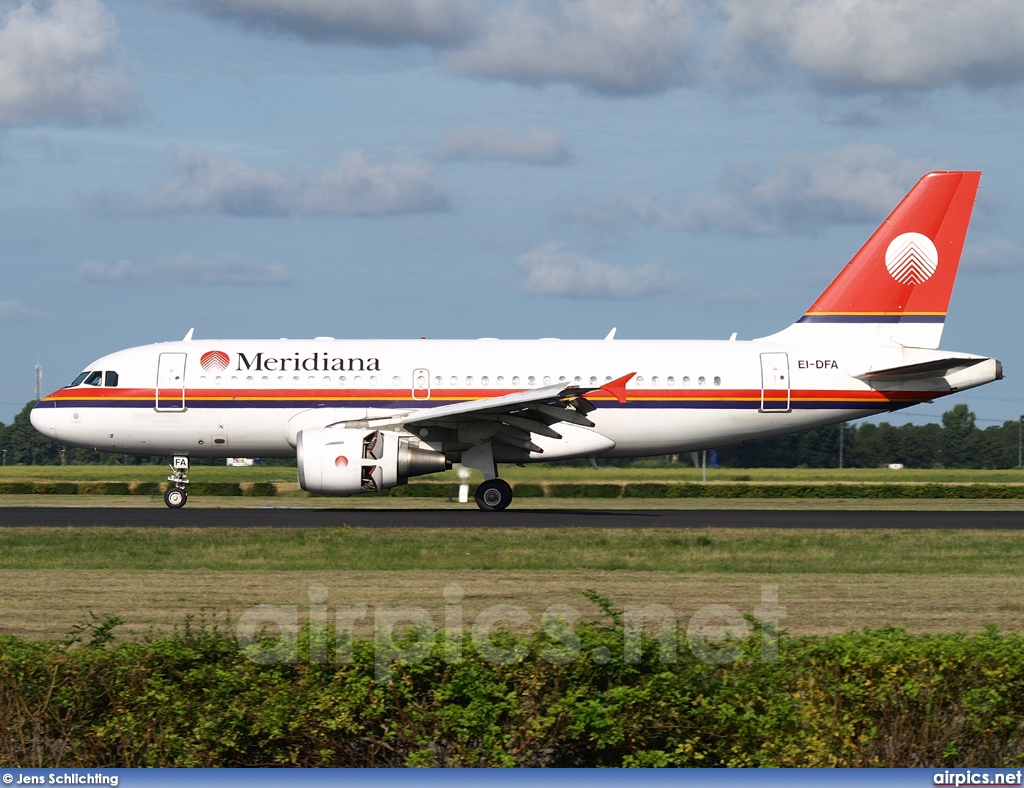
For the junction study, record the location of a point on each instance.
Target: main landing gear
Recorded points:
(494, 495)
(176, 497)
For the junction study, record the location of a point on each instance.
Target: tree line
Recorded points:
(955, 443)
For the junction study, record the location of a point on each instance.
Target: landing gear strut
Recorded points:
(494, 495)
(176, 497)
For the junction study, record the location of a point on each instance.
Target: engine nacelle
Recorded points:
(345, 461)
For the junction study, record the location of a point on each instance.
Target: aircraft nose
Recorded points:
(44, 418)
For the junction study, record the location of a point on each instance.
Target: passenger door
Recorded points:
(170, 382)
(774, 383)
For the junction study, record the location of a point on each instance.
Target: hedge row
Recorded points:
(873, 698)
(136, 488)
(691, 490)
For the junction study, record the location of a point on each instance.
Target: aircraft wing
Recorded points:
(513, 418)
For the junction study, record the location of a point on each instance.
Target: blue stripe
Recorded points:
(872, 319)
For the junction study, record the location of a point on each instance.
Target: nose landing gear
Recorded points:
(176, 496)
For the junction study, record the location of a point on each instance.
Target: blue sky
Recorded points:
(447, 168)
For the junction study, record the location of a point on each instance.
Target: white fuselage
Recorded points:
(250, 398)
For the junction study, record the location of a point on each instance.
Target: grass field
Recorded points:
(829, 581)
(724, 551)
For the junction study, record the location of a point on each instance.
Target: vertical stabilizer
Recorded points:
(897, 288)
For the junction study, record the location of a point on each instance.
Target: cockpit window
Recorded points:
(94, 379)
(110, 379)
(78, 381)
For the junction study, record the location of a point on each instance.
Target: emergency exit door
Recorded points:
(420, 384)
(170, 382)
(774, 382)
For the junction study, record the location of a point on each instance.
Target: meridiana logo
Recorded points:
(911, 258)
(214, 361)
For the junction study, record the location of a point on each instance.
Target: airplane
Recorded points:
(362, 416)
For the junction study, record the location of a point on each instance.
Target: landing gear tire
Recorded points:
(494, 495)
(175, 497)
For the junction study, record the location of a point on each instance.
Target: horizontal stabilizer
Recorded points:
(928, 369)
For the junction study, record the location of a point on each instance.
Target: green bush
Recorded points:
(872, 698)
(103, 488)
(55, 488)
(585, 490)
(17, 488)
(147, 488)
(214, 488)
(527, 490)
(645, 490)
(426, 490)
(262, 489)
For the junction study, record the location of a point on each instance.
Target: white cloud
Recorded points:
(628, 47)
(552, 270)
(534, 146)
(359, 186)
(221, 269)
(57, 65)
(362, 186)
(13, 312)
(858, 183)
(875, 45)
(377, 22)
(609, 46)
(993, 257)
(218, 184)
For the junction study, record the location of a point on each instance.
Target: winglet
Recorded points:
(617, 388)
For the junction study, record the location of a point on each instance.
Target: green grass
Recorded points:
(730, 551)
(532, 474)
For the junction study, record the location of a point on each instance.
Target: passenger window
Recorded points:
(94, 379)
(110, 379)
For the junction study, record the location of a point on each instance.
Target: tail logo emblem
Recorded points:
(214, 361)
(911, 258)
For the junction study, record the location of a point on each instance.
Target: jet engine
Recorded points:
(345, 461)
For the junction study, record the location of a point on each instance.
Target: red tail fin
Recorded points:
(902, 278)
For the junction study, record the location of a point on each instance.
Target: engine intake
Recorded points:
(346, 461)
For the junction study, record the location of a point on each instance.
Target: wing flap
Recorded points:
(530, 412)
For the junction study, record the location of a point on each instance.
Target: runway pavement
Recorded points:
(159, 517)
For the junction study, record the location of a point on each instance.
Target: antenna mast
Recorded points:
(39, 382)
